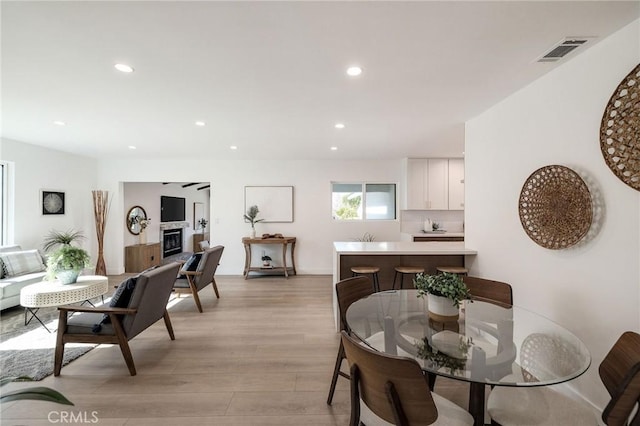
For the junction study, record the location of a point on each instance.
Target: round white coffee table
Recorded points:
(52, 293)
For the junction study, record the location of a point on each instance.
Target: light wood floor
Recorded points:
(262, 354)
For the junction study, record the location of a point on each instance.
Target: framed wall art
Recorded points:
(274, 202)
(52, 202)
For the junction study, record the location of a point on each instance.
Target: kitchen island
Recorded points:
(388, 255)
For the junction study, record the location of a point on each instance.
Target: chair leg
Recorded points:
(59, 353)
(376, 282)
(194, 293)
(354, 420)
(395, 277)
(401, 281)
(431, 379)
(123, 343)
(215, 288)
(167, 323)
(336, 373)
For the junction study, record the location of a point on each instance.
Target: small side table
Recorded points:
(284, 241)
(52, 293)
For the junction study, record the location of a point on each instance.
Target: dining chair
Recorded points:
(540, 355)
(141, 303)
(347, 291)
(192, 282)
(489, 290)
(394, 390)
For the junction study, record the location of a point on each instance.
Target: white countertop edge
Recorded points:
(435, 234)
(403, 247)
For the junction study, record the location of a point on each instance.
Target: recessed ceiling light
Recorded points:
(59, 123)
(233, 147)
(339, 126)
(123, 68)
(200, 123)
(354, 71)
(132, 147)
(334, 148)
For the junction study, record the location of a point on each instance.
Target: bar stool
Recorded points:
(402, 270)
(366, 270)
(460, 270)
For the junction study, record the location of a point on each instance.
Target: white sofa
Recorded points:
(29, 272)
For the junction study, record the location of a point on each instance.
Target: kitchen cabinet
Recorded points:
(139, 257)
(434, 184)
(456, 184)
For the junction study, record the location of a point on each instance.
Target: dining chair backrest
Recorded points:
(350, 290)
(620, 374)
(489, 290)
(394, 388)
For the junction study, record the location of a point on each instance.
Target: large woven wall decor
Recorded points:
(620, 130)
(555, 207)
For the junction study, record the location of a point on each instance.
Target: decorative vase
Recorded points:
(68, 276)
(442, 309)
(142, 237)
(253, 232)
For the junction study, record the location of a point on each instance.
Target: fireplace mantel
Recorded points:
(173, 225)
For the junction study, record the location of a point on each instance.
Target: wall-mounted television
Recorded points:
(172, 209)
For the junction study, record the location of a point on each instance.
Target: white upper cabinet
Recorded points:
(456, 184)
(429, 184)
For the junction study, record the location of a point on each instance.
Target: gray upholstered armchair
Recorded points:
(192, 281)
(137, 304)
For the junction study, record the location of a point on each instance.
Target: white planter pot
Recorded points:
(442, 309)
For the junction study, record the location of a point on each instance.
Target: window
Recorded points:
(363, 201)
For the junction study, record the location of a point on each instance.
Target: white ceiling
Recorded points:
(269, 77)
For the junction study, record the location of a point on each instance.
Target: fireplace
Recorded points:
(171, 242)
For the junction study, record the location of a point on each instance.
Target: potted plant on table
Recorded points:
(251, 216)
(444, 293)
(66, 263)
(266, 261)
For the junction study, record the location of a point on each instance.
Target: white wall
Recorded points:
(312, 225)
(37, 168)
(593, 289)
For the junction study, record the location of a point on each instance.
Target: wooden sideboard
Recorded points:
(284, 269)
(139, 257)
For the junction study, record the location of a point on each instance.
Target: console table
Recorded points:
(284, 241)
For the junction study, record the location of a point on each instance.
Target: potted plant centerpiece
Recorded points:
(444, 293)
(250, 216)
(66, 262)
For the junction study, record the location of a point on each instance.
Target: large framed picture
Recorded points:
(274, 202)
(52, 202)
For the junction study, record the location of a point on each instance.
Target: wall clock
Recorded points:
(52, 202)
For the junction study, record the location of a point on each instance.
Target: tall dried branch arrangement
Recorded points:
(100, 212)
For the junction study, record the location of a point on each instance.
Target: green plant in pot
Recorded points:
(251, 216)
(66, 263)
(444, 292)
(61, 238)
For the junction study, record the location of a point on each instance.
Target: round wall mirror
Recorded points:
(135, 215)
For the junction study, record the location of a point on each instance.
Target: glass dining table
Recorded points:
(487, 344)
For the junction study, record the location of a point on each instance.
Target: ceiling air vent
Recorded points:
(563, 48)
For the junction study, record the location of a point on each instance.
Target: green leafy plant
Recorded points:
(440, 359)
(251, 215)
(367, 237)
(61, 238)
(66, 258)
(39, 393)
(266, 258)
(445, 284)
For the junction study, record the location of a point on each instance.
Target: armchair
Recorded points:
(118, 325)
(194, 281)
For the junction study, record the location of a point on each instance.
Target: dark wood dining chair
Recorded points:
(394, 389)
(347, 291)
(192, 282)
(144, 302)
(489, 290)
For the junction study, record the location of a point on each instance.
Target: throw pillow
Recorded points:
(191, 264)
(22, 262)
(120, 299)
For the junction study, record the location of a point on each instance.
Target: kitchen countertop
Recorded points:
(436, 234)
(404, 247)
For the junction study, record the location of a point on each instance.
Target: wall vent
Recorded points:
(566, 46)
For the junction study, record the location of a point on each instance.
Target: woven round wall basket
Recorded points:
(555, 207)
(620, 130)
